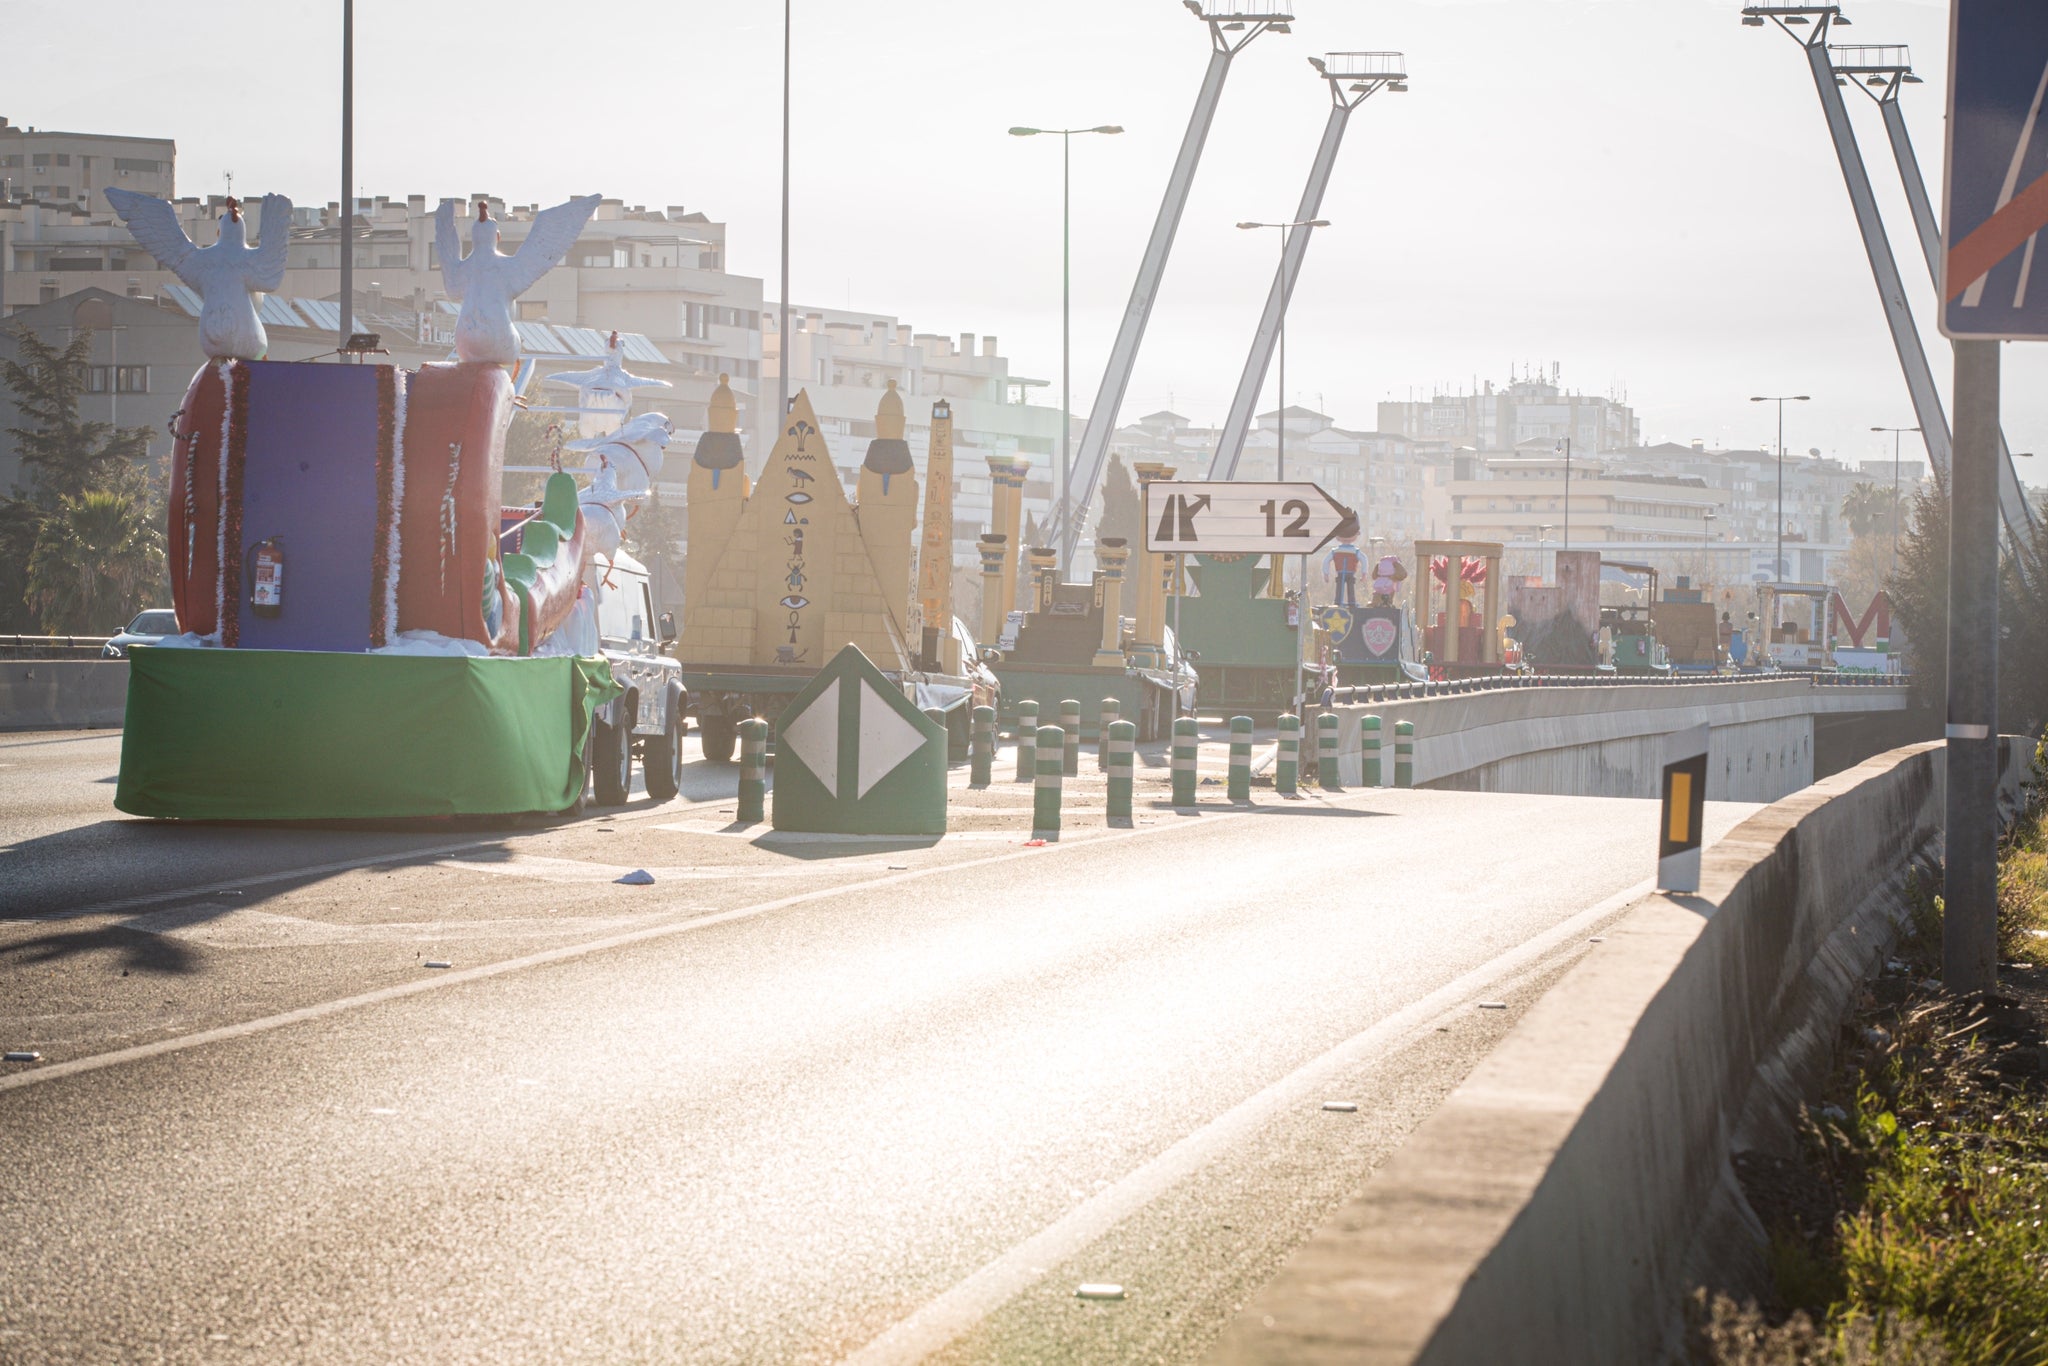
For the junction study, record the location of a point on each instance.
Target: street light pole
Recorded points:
(348, 172)
(1067, 524)
(1778, 567)
(1568, 493)
(1898, 434)
(1280, 433)
(782, 307)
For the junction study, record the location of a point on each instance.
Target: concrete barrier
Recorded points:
(1562, 1202)
(62, 694)
(1606, 741)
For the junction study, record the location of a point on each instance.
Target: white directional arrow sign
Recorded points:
(1240, 519)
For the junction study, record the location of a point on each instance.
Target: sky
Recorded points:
(1641, 191)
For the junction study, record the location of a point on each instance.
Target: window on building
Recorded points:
(532, 310)
(393, 258)
(121, 379)
(40, 160)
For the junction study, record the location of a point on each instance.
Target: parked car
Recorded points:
(149, 627)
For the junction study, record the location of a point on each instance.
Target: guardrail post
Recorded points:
(1070, 727)
(1404, 754)
(1326, 752)
(1287, 762)
(1369, 728)
(981, 747)
(1122, 750)
(1185, 740)
(1027, 740)
(1045, 798)
(1241, 759)
(753, 807)
(1111, 709)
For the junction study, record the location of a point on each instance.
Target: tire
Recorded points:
(661, 759)
(613, 764)
(716, 737)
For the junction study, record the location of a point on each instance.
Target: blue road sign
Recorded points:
(1995, 190)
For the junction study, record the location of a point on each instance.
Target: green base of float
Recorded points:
(301, 735)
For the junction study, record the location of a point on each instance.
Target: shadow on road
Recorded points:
(137, 950)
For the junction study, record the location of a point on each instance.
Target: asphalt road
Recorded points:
(795, 1101)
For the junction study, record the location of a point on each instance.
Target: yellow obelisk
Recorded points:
(887, 491)
(718, 493)
(935, 551)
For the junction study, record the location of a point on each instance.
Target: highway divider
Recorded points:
(62, 694)
(1562, 1202)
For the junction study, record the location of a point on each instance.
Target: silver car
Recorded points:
(149, 627)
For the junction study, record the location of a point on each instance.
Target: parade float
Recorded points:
(364, 630)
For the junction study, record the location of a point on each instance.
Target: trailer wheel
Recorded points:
(661, 758)
(715, 736)
(613, 766)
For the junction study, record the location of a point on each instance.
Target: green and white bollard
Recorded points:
(1287, 767)
(1070, 726)
(1241, 759)
(1326, 752)
(1111, 709)
(1027, 740)
(1185, 740)
(981, 747)
(1404, 754)
(753, 807)
(1369, 727)
(1045, 800)
(1123, 751)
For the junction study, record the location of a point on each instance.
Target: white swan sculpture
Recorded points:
(225, 275)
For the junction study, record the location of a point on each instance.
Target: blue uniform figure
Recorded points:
(1344, 561)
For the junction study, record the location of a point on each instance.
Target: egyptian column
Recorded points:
(887, 493)
(993, 554)
(1110, 555)
(717, 494)
(1045, 576)
(1007, 475)
(1150, 608)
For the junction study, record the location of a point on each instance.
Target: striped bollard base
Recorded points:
(1111, 709)
(1326, 752)
(1404, 754)
(1070, 726)
(753, 807)
(1185, 741)
(1369, 727)
(1287, 767)
(1123, 751)
(1027, 740)
(1045, 798)
(1241, 759)
(981, 747)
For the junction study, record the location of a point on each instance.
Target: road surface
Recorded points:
(798, 1100)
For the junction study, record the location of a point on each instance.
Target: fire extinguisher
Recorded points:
(266, 577)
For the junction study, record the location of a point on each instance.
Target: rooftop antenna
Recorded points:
(1232, 25)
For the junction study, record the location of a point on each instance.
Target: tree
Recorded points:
(2023, 634)
(655, 530)
(62, 454)
(1867, 509)
(1122, 514)
(1919, 592)
(95, 561)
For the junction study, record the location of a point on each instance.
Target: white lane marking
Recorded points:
(959, 1309)
(563, 953)
(545, 869)
(245, 928)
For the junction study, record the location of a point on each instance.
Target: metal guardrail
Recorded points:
(52, 647)
(1396, 692)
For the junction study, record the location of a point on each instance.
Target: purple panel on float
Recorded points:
(311, 481)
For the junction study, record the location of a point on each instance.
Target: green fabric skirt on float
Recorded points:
(302, 735)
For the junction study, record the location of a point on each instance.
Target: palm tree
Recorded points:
(95, 558)
(1867, 508)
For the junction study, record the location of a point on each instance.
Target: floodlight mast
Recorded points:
(1233, 24)
(1891, 290)
(1881, 72)
(1353, 78)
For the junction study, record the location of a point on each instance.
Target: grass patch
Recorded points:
(1912, 1224)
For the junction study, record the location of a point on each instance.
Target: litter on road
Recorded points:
(639, 877)
(24, 1055)
(1493, 1005)
(1342, 1107)
(439, 963)
(1100, 1291)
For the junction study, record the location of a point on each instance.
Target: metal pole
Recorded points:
(1896, 437)
(1280, 435)
(1891, 290)
(1969, 935)
(1778, 570)
(348, 171)
(1567, 493)
(1123, 354)
(1064, 522)
(782, 307)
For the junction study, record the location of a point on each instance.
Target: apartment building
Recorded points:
(1533, 406)
(41, 165)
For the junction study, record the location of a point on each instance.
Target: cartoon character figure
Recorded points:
(1343, 561)
(1388, 573)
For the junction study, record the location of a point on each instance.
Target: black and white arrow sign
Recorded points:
(1241, 519)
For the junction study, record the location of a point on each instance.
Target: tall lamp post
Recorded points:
(348, 172)
(773, 429)
(1543, 535)
(1778, 567)
(1062, 518)
(1280, 432)
(1898, 434)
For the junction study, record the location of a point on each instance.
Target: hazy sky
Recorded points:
(1642, 190)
